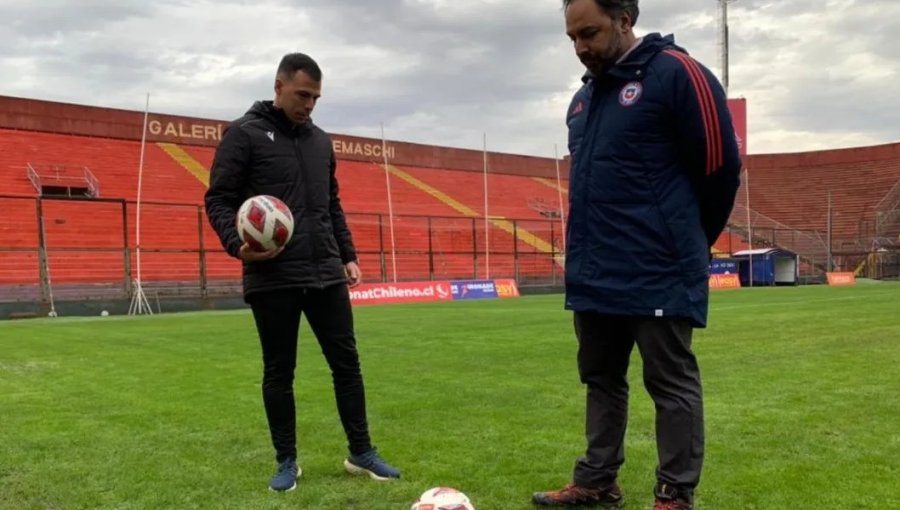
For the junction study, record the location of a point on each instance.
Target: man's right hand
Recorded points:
(247, 254)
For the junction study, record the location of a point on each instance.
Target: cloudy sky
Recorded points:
(817, 74)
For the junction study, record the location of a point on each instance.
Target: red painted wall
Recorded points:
(65, 118)
(822, 158)
(47, 116)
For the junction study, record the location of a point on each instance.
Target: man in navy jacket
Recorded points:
(654, 172)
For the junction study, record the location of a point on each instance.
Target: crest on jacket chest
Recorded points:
(631, 93)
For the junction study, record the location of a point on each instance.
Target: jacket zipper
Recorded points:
(586, 143)
(306, 190)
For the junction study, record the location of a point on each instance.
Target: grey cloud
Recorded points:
(50, 17)
(830, 76)
(444, 72)
(464, 62)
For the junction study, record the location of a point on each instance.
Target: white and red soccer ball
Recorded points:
(265, 223)
(442, 498)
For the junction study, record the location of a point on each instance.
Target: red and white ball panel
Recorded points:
(265, 223)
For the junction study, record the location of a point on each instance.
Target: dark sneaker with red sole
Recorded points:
(573, 495)
(672, 504)
(671, 498)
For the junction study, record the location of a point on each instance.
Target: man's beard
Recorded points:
(601, 64)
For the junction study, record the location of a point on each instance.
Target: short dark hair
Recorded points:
(293, 62)
(616, 8)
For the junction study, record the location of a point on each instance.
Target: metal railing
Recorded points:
(887, 214)
(86, 248)
(64, 176)
(766, 230)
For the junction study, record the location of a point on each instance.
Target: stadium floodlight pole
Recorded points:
(487, 230)
(723, 41)
(387, 180)
(562, 212)
(749, 222)
(139, 304)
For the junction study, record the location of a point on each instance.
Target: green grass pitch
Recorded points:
(801, 385)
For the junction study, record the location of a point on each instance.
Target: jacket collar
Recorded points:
(276, 116)
(634, 63)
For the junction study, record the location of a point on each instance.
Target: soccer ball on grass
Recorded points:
(442, 498)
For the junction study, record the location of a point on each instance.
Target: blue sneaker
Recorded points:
(285, 478)
(370, 463)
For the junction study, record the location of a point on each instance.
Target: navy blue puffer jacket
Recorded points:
(654, 173)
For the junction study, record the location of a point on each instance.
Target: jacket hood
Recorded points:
(650, 45)
(267, 110)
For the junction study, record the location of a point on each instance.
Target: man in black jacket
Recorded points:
(275, 149)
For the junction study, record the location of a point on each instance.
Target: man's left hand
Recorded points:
(354, 274)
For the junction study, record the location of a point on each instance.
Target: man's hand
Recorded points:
(249, 255)
(354, 274)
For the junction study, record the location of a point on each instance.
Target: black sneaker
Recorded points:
(285, 479)
(370, 463)
(573, 495)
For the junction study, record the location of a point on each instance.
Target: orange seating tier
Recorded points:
(115, 163)
(85, 239)
(797, 196)
(508, 195)
(441, 236)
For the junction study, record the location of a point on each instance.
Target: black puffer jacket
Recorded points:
(264, 153)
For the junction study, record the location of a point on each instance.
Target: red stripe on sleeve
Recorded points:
(714, 147)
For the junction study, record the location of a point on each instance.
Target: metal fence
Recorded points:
(852, 237)
(868, 257)
(87, 248)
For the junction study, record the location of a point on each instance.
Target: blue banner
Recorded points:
(723, 266)
(473, 289)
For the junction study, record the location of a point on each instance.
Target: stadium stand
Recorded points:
(437, 198)
(794, 191)
(789, 208)
(176, 176)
